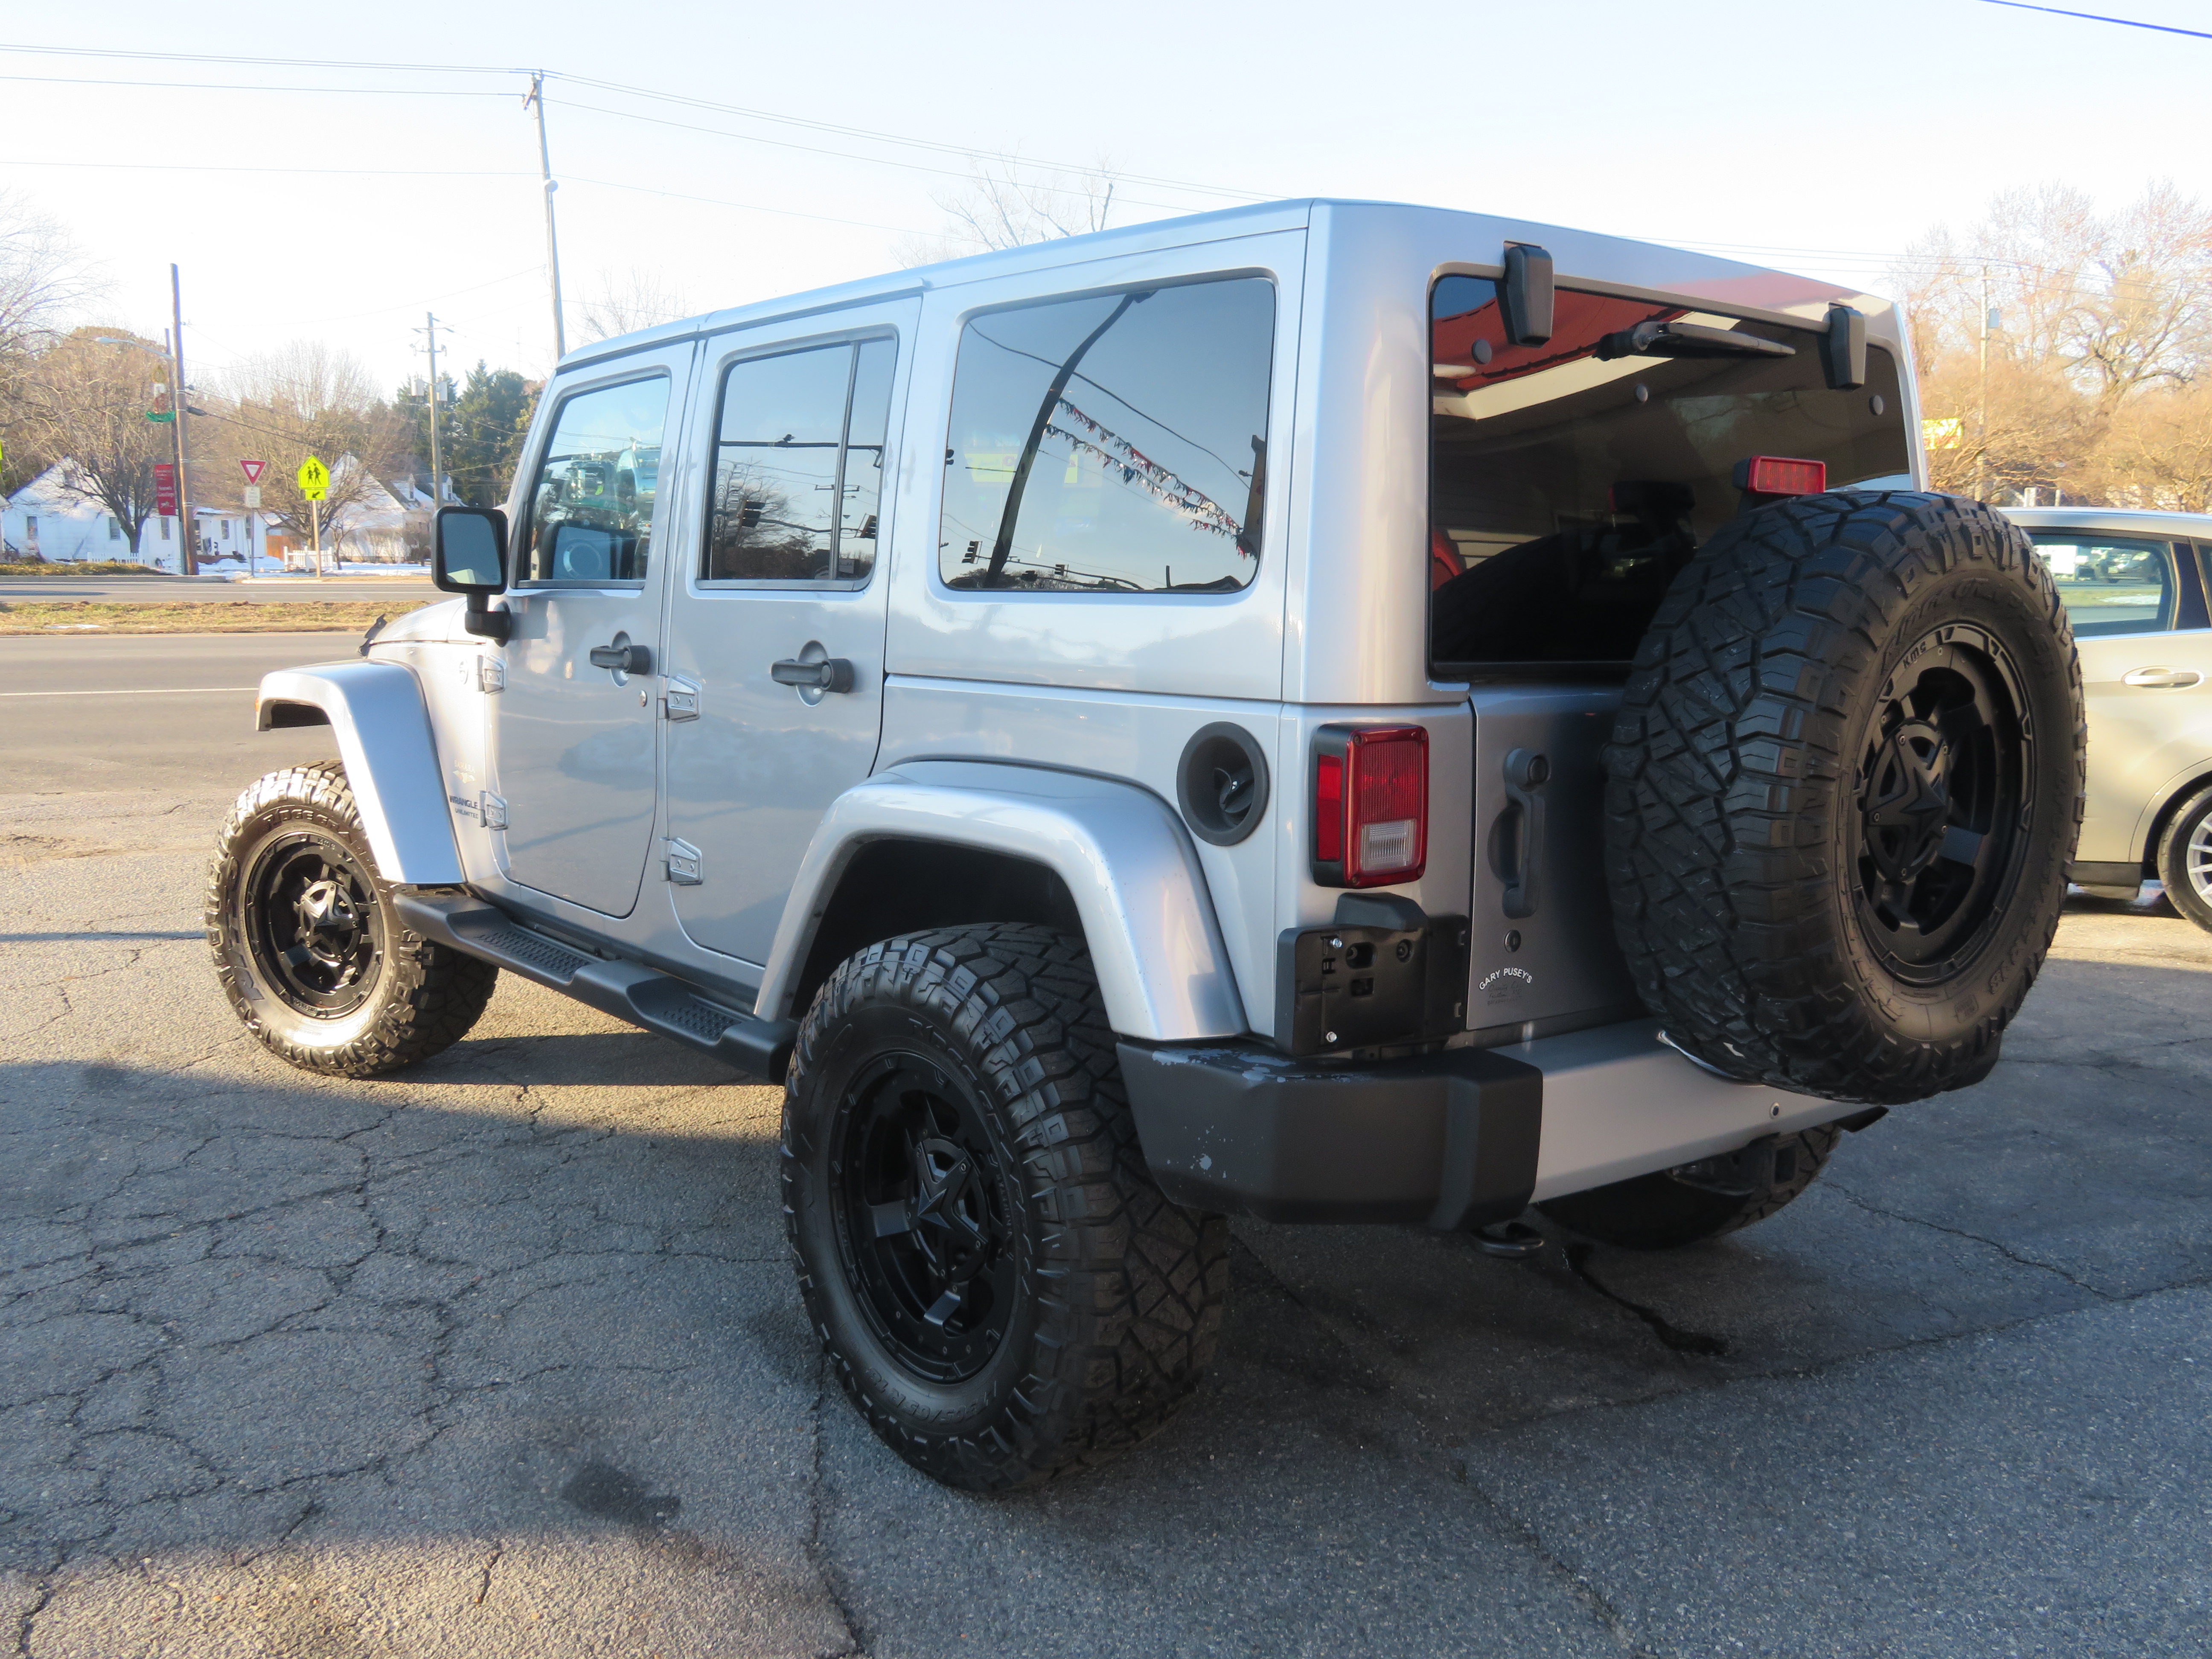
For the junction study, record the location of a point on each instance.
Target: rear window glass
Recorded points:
(2109, 584)
(1567, 488)
(1113, 444)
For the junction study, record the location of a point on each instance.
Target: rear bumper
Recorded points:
(1454, 1139)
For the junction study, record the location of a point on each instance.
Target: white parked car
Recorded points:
(2134, 584)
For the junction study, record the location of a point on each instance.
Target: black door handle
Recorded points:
(831, 674)
(1525, 774)
(623, 658)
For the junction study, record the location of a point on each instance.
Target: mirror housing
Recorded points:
(1525, 294)
(468, 555)
(1844, 349)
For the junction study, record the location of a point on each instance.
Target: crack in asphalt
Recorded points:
(1998, 1245)
(1671, 1336)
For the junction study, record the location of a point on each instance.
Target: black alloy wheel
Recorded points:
(1945, 792)
(313, 926)
(926, 1216)
(310, 954)
(1002, 1289)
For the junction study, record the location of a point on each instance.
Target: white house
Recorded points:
(43, 518)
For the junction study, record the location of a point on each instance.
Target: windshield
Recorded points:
(1567, 486)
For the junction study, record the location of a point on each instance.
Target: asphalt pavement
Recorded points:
(150, 711)
(502, 1355)
(411, 589)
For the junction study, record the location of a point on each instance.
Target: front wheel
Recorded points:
(307, 946)
(1002, 1289)
(2184, 858)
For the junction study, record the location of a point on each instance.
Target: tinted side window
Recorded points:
(798, 456)
(2109, 584)
(591, 505)
(1111, 445)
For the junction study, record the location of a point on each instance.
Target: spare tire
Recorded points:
(1841, 793)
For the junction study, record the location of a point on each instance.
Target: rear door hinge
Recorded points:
(683, 863)
(679, 698)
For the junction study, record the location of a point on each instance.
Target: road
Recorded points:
(189, 590)
(502, 1357)
(152, 711)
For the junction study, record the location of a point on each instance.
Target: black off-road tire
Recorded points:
(976, 1061)
(389, 998)
(1658, 1212)
(1776, 776)
(2189, 893)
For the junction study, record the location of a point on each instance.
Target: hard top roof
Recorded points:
(1577, 251)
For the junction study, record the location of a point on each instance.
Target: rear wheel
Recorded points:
(1002, 1289)
(1674, 1207)
(2184, 858)
(308, 947)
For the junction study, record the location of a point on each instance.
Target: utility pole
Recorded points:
(429, 331)
(178, 403)
(1982, 416)
(536, 99)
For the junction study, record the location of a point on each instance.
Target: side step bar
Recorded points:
(659, 1002)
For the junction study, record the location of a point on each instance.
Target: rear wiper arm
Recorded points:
(1658, 339)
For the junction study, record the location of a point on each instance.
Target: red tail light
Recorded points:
(1779, 475)
(1328, 808)
(1371, 805)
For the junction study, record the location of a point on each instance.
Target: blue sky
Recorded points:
(1814, 137)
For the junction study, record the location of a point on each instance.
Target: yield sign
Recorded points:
(253, 470)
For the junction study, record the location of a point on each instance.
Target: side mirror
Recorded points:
(468, 555)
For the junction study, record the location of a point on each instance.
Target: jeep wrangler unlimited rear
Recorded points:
(1325, 712)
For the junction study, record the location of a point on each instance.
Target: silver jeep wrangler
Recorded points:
(1325, 712)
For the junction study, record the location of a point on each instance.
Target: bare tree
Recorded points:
(305, 399)
(2050, 335)
(638, 299)
(83, 404)
(44, 278)
(1005, 205)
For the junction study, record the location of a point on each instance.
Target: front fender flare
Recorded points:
(377, 713)
(1127, 860)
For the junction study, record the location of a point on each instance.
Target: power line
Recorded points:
(238, 86)
(334, 172)
(870, 135)
(2093, 17)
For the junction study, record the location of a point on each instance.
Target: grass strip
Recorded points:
(85, 567)
(213, 616)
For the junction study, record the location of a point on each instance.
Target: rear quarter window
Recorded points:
(1111, 444)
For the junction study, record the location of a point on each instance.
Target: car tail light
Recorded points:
(1371, 805)
(1779, 475)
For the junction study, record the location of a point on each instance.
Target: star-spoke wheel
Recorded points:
(313, 925)
(1943, 791)
(926, 1215)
